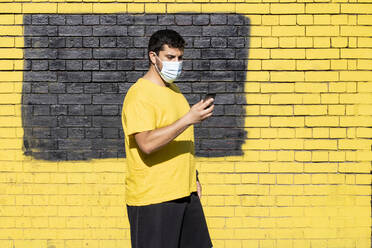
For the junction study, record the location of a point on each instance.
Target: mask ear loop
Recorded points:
(156, 67)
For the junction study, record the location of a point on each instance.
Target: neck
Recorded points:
(153, 76)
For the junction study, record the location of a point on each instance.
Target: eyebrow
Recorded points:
(173, 56)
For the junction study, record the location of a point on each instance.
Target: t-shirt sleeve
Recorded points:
(139, 116)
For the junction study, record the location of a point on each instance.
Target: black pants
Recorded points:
(178, 223)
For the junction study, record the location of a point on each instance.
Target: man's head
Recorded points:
(163, 40)
(165, 52)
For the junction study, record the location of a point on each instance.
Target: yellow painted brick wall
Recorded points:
(303, 180)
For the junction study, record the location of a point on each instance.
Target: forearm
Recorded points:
(151, 141)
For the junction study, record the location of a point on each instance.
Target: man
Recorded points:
(162, 190)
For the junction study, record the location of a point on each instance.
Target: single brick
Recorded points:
(290, 8)
(287, 20)
(166, 20)
(313, 64)
(107, 76)
(74, 42)
(288, 31)
(57, 42)
(145, 19)
(74, 144)
(155, 8)
(218, 53)
(102, 121)
(124, 41)
(110, 133)
(40, 31)
(74, 19)
(356, 53)
(41, 87)
(74, 31)
(192, 31)
(322, 31)
(219, 31)
(43, 121)
(108, 53)
(75, 132)
(123, 19)
(74, 88)
(40, 110)
(75, 110)
(107, 19)
(140, 42)
(58, 110)
(91, 19)
(108, 99)
(356, 8)
(39, 19)
(322, 53)
(107, 41)
(236, 42)
(321, 76)
(218, 75)
(321, 8)
(64, 76)
(288, 76)
(107, 64)
(74, 121)
(215, 8)
(287, 53)
(217, 19)
(110, 31)
(183, 19)
(279, 64)
(57, 19)
(135, 53)
(262, 8)
(41, 53)
(39, 65)
(200, 19)
(45, 76)
(110, 109)
(136, 30)
(93, 109)
(74, 99)
(235, 20)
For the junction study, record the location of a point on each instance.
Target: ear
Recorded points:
(152, 57)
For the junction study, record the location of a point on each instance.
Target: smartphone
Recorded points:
(209, 95)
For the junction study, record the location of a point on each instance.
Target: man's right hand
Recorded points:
(153, 140)
(200, 112)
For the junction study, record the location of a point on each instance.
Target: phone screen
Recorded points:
(209, 95)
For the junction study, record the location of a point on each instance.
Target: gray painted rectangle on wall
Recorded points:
(79, 67)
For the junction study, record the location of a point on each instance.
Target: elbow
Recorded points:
(144, 145)
(146, 150)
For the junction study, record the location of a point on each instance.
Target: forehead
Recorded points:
(171, 50)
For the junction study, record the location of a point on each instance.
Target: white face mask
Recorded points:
(171, 70)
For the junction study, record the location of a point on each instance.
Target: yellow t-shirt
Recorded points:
(170, 172)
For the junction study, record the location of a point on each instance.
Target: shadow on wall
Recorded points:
(78, 69)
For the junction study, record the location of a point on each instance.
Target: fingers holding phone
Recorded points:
(207, 99)
(208, 103)
(201, 110)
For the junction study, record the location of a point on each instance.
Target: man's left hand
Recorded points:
(199, 189)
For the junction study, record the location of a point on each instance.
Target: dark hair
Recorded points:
(162, 37)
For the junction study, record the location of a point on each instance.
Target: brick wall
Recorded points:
(297, 173)
(78, 69)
